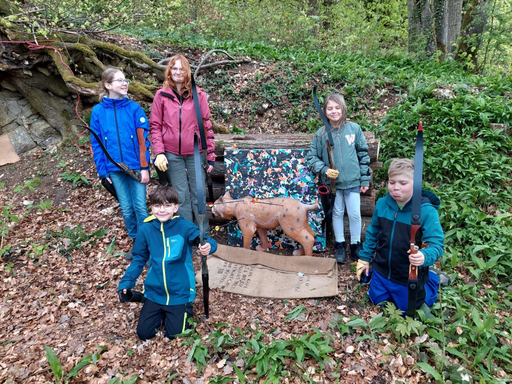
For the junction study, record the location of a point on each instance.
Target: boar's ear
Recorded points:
(227, 195)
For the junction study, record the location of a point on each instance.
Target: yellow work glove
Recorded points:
(332, 173)
(161, 162)
(360, 267)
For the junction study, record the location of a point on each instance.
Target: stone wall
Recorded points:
(27, 130)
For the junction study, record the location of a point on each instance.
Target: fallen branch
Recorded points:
(201, 64)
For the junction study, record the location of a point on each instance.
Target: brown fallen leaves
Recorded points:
(72, 306)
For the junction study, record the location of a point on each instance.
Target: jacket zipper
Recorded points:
(179, 148)
(391, 246)
(340, 138)
(163, 262)
(117, 129)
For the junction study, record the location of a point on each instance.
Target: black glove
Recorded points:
(130, 296)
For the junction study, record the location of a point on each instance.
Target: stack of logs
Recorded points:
(284, 141)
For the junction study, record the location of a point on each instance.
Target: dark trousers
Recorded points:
(174, 317)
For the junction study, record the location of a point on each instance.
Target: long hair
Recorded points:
(338, 99)
(108, 76)
(186, 87)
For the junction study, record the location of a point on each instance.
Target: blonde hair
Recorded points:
(186, 87)
(401, 167)
(340, 100)
(108, 76)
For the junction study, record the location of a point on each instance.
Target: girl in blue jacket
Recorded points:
(123, 128)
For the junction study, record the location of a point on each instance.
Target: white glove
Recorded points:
(161, 162)
(332, 173)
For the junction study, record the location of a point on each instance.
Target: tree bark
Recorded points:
(472, 29)
(282, 141)
(421, 26)
(447, 24)
(39, 69)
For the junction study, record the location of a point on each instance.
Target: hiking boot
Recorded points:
(354, 251)
(340, 252)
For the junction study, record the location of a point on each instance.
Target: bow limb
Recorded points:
(122, 166)
(201, 221)
(415, 221)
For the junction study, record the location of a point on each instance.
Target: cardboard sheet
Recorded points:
(259, 274)
(7, 153)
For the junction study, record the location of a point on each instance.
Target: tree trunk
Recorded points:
(421, 26)
(472, 29)
(40, 71)
(282, 141)
(447, 24)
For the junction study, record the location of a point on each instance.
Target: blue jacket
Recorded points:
(350, 156)
(168, 247)
(389, 234)
(116, 122)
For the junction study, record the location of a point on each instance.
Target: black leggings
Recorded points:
(175, 318)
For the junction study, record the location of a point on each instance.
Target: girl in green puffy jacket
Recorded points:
(351, 171)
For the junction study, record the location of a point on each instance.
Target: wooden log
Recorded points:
(282, 141)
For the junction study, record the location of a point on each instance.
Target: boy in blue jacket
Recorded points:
(387, 242)
(165, 241)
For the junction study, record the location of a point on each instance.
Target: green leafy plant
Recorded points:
(5, 226)
(60, 377)
(76, 178)
(30, 185)
(117, 380)
(71, 239)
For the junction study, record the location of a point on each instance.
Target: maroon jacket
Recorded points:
(173, 124)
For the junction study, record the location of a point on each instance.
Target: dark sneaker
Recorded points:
(340, 252)
(444, 278)
(129, 255)
(354, 251)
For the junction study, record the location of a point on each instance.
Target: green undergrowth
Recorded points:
(467, 164)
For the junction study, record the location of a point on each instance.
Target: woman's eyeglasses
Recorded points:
(174, 69)
(122, 81)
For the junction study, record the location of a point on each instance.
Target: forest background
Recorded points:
(446, 63)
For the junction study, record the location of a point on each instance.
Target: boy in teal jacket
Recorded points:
(387, 242)
(165, 241)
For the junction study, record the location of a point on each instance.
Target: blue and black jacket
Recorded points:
(123, 128)
(168, 247)
(389, 234)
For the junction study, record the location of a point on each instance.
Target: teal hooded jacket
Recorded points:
(168, 247)
(388, 238)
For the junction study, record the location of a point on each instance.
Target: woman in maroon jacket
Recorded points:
(173, 122)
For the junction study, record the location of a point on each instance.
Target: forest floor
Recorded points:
(64, 258)
(59, 289)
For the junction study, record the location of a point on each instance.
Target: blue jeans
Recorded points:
(351, 199)
(132, 199)
(181, 171)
